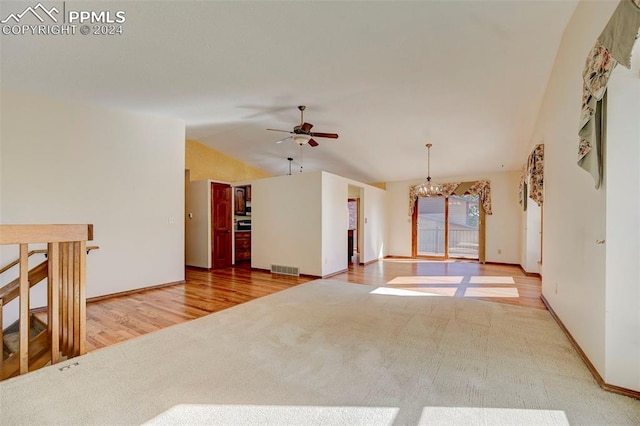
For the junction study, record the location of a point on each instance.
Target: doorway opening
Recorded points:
(447, 227)
(355, 225)
(353, 234)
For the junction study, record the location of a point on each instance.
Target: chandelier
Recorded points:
(427, 188)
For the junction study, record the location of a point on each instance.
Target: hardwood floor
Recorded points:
(120, 318)
(491, 282)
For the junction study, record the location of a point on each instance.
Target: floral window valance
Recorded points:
(613, 47)
(522, 188)
(481, 188)
(532, 178)
(535, 171)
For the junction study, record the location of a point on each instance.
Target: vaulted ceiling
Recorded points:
(467, 76)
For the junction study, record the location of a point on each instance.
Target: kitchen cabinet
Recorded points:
(242, 200)
(243, 245)
(239, 201)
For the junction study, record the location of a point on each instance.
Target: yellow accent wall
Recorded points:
(381, 185)
(204, 162)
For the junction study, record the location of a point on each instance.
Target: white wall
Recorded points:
(502, 227)
(373, 219)
(301, 220)
(622, 291)
(598, 305)
(374, 224)
(574, 212)
(335, 223)
(530, 255)
(286, 222)
(122, 172)
(198, 227)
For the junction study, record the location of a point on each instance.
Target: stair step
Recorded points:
(11, 342)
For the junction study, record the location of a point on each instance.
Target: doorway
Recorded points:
(447, 227)
(354, 212)
(356, 225)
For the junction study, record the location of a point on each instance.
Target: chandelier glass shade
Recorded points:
(428, 188)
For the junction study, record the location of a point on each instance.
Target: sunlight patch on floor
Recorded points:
(491, 280)
(334, 415)
(426, 280)
(187, 414)
(422, 291)
(491, 416)
(491, 292)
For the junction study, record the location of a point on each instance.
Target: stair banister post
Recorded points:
(24, 308)
(54, 300)
(82, 344)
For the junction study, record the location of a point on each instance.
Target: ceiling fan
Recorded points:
(304, 129)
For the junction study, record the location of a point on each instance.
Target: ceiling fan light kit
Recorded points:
(301, 139)
(428, 188)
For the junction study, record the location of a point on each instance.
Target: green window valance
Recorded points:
(614, 46)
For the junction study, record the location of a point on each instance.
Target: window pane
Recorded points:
(464, 220)
(431, 226)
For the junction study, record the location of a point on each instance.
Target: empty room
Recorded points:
(311, 212)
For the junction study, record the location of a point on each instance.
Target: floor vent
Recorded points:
(285, 270)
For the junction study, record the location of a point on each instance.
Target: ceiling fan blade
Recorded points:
(278, 130)
(324, 135)
(312, 143)
(306, 127)
(284, 139)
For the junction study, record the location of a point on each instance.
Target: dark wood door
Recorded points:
(221, 225)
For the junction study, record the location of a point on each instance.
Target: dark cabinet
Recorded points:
(239, 201)
(243, 246)
(242, 200)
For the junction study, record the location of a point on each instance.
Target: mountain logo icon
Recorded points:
(39, 11)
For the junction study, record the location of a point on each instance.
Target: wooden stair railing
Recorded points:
(38, 344)
(66, 308)
(12, 289)
(36, 274)
(17, 261)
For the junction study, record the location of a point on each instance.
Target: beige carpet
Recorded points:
(327, 353)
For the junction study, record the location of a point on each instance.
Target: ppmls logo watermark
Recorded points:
(60, 18)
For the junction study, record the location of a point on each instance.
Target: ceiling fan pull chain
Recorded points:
(300, 158)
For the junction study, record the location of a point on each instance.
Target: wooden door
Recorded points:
(221, 224)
